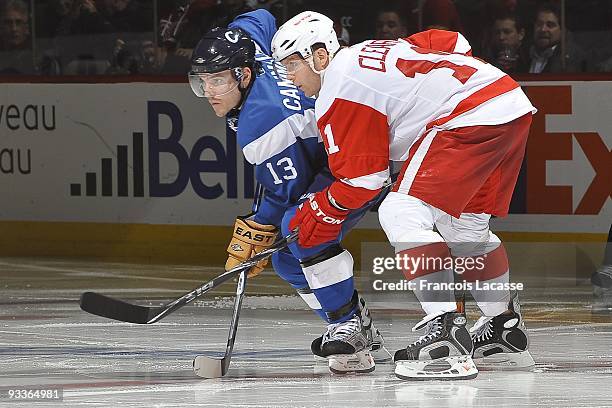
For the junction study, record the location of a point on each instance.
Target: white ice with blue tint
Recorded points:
(46, 340)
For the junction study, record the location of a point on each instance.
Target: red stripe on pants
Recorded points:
(495, 264)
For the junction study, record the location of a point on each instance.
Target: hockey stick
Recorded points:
(210, 367)
(101, 305)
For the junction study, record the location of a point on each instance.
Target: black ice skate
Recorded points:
(602, 300)
(602, 290)
(603, 277)
(375, 338)
(442, 353)
(501, 342)
(348, 345)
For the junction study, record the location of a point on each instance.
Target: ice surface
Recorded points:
(45, 339)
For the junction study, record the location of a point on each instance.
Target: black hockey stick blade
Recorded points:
(111, 308)
(210, 367)
(105, 306)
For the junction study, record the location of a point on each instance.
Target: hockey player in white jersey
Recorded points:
(460, 126)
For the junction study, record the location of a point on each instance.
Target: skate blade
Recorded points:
(380, 355)
(447, 368)
(506, 361)
(357, 363)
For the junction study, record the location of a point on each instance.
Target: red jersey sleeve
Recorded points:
(356, 138)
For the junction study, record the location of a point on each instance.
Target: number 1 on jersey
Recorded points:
(410, 68)
(333, 148)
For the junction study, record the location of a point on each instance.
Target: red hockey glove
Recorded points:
(319, 221)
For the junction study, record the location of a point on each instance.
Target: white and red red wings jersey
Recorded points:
(379, 96)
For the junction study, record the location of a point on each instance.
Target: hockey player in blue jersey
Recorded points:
(276, 129)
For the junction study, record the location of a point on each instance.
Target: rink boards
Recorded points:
(144, 170)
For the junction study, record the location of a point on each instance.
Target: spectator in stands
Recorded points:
(476, 15)
(546, 53)
(419, 15)
(344, 37)
(223, 14)
(70, 17)
(506, 50)
(282, 10)
(149, 58)
(182, 25)
(390, 24)
(605, 66)
(124, 60)
(67, 33)
(126, 16)
(129, 24)
(16, 56)
(441, 14)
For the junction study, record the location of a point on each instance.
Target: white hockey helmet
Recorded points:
(301, 32)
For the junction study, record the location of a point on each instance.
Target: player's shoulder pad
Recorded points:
(441, 40)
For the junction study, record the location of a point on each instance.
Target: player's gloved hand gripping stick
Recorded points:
(248, 239)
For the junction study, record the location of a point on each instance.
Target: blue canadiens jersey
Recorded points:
(277, 130)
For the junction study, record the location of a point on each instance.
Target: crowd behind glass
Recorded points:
(129, 37)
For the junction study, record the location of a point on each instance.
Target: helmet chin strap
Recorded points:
(310, 62)
(320, 72)
(243, 93)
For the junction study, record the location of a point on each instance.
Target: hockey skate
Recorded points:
(603, 277)
(347, 346)
(602, 300)
(442, 353)
(602, 290)
(501, 342)
(374, 340)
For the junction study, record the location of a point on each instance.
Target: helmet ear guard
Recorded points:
(237, 73)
